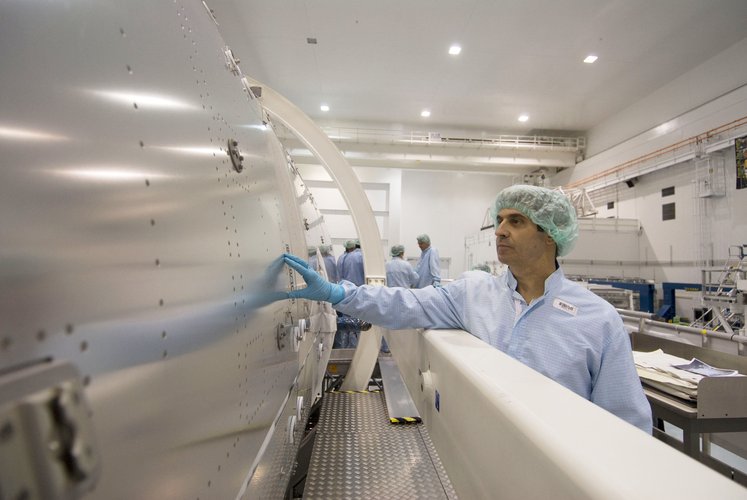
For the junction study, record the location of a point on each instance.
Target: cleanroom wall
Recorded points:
(383, 189)
(709, 96)
(448, 206)
(702, 228)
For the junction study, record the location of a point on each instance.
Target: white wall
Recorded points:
(448, 206)
(702, 228)
(383, 189)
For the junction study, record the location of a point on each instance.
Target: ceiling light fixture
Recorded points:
(523, 118)
(425, 113)
(455, 50)
(590, 59)
(324, 108)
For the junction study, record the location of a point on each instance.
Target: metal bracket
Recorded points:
(47, 445)
(236, 158)
(376, 280)
(232, 62)
(284, 332)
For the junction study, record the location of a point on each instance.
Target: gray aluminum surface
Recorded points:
(131, 247)
(359, 454)
(399, 403)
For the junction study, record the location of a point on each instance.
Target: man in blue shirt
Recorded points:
(429, 265)
(398, 271)
(531, 312)
(329, 262)
(350, 264)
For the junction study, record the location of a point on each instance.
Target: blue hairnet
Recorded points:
(397, 250)
(551, 210)
(312, 251)
(424, 238)
(350, 244)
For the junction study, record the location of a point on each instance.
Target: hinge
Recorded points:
(232, 62)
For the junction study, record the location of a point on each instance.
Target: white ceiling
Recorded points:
(383, 61)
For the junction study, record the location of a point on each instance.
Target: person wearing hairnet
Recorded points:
(329, 262)
(313, 259)
(350, 264)
(531, 312)
(429, 265)
(349, 268)
(398, 271)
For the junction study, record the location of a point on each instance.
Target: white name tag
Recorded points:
(565, 307)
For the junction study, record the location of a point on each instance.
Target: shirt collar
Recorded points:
(553, 282)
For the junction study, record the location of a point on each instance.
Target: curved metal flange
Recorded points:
(341, 172)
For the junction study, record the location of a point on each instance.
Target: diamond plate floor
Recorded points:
(359, 454)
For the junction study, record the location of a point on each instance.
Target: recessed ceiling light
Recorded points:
(425, 113)
(324, 108)
(455, 50)
(523, 118)
(590, 59)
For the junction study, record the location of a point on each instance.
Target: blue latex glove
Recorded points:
(317, 288)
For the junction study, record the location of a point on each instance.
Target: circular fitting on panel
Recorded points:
(236, 158)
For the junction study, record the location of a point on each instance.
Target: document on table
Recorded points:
(700, 368)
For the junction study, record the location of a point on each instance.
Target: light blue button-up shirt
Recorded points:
(400, 273)
(428, 268)
(568, 334)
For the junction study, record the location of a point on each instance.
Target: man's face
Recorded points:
(423, 245)
(519, 240)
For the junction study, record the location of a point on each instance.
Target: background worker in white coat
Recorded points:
(429, 265)
(398, 271)
(531, 312)
(329, 262)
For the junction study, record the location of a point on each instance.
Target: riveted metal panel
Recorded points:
(133, 247)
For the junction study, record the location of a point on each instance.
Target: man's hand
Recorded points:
(317, 288)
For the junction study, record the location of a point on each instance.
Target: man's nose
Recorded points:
(500, 229)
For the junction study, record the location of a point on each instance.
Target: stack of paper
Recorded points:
(656, 369)
(676, 376)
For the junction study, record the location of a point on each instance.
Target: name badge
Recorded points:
(565, 307)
